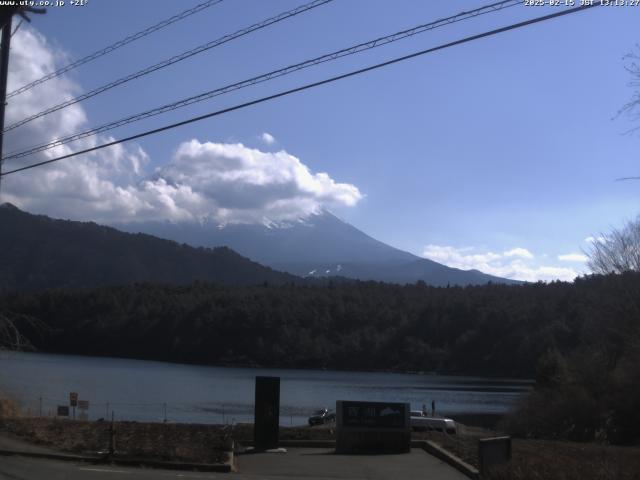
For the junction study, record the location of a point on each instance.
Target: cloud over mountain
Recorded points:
(229, 183)
(517, 263)
(234, 183)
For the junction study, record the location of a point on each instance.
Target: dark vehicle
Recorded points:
(321, 417)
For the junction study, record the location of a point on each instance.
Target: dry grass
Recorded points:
(543, 459)
(8, 407)
(546, 459)
(173, 442)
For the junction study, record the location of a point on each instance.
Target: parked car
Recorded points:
(420, 421)
(320, 417)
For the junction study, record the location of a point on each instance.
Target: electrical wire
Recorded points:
(116, 45)
(175, 59)
(311, 85)
(266, 77)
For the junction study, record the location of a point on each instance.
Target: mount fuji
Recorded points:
(319, 245)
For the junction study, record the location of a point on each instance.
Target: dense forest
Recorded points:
(490, 330)
(580, 341)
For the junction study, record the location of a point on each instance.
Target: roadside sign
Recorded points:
(372, 426)
(63, 411)
(83, 404)
(73, 399)
(375, 415)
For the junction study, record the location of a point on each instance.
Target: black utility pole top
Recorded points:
(7, 12)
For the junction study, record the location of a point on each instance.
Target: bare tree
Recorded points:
(617, 251)
(11, 337)
(632, 107)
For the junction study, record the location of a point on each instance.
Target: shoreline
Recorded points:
(458, 375)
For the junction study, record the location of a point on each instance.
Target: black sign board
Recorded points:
(73, 399)
(374, 415)
(382, 427)
(63, 411)
(267, 413)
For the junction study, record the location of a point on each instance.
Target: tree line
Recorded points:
(488, 330)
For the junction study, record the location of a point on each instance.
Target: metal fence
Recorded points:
(175, 412)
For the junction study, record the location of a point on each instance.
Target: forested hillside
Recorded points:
(38, 252)
(493, 330)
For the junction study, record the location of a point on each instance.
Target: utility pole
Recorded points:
(5, 20)
(4, 72)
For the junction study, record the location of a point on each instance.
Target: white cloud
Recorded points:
(599, 239)
(234, 183)
(225, 182)
(518, 252)
(268, 138)
(573, 257)
(75, 188)
(517, 263)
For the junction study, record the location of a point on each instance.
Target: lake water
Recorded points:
(144, 390)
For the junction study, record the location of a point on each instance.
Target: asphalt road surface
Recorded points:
(308, 463)
(23, 468)
(324, 464)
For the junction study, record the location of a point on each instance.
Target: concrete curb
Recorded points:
(53, 456)
(447, 457)
(225, 467)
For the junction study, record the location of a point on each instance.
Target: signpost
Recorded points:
(63, 411)
(266, 427)
(83, 406)
(373, 426)
(73, 402)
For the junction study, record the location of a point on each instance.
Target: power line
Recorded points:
(175, 59)
(311, 85)
(266, 77)
(116, 45)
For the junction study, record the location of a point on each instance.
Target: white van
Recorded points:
(419, 421)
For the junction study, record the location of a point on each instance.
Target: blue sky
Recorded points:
(500, 154)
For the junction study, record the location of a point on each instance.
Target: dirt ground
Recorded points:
(545, 459)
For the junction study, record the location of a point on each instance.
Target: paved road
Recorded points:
(15, 444)
(323, 464)
(316, 464)
(23, 468)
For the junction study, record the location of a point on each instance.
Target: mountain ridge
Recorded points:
(38, 252)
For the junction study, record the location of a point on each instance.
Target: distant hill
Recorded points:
(318, 246)
(39, 252)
